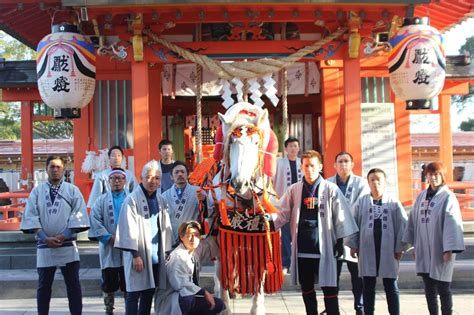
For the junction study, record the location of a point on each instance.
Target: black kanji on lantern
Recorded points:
(421, 77)
(60, 63)
(421, 56)
(60, 84)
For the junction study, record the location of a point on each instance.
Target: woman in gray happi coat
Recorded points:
(435, 230)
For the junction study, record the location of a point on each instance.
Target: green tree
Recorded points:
(11, 49)
(10, 128)
(467, 125)
(468, 46)
(462, 101)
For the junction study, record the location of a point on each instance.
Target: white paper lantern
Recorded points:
(417, 63)
(65, 65)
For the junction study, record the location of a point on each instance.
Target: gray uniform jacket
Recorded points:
(184, 209)
(101, 185)
(179, 271)
(434, 228)
(133, 233)
(102, 224)
(282, 178)
(335, 221)
(67, 212)
(356, 187)
(394, 221)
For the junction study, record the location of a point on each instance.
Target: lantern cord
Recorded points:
(240, 69)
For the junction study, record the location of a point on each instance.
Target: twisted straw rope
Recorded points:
(241, 69)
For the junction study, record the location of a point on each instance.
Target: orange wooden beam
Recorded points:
(332, 97)
(82, 140)
(156, 110)
(455, 88)
(27, 165)
(446, 135)
(404, 158)
(20, 94)
(352, 112)
(141, 115)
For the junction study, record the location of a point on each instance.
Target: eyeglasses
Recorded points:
(116, 178)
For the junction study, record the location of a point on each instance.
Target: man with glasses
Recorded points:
(144, 234)
(101, 182)
(104, 218)
(56, 211)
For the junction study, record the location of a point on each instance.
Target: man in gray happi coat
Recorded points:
(101, 182)
(317, 219)
(56, 211)
(104, 219)
(144, 234)
(352, 187)
(186, 202)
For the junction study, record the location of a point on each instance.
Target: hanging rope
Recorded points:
(241, 69)
(199, 113)
(284, 96)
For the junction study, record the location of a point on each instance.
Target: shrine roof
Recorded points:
(17, 74)
(30, 20)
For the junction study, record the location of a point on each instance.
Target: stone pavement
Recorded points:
(287, 302)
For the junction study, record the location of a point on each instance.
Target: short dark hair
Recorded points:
(375, 171)
(54, 157)
(344, 153)
(436, 167)
(185, 226)
(115, 147)
(290, 140)
(178, 163)
(311, 154)
(164, 142)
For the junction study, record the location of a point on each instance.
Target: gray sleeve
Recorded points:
(400, 227)
(98, 228)
(30, 221)
(78, 219)
(352, 240)
(285, 208)
(453, 237)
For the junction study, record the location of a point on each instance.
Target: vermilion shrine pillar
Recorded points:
(27, 163)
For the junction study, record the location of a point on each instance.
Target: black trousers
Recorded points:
(308, 272)
(357, 283)
(73, 286)
(432, 289)
(113, 279)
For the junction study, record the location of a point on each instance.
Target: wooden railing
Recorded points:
(11, 214)
(464, 191)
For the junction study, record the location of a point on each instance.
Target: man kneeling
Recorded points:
(182, 270)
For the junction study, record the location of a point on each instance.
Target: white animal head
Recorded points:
(246, 131)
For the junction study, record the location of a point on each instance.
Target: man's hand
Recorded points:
(53, 242)
(112, 240)
(398, 256)
(137, 264)
(354, 252)
(339, 248)
(60, 238)
(210, 300)
(447, 256)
